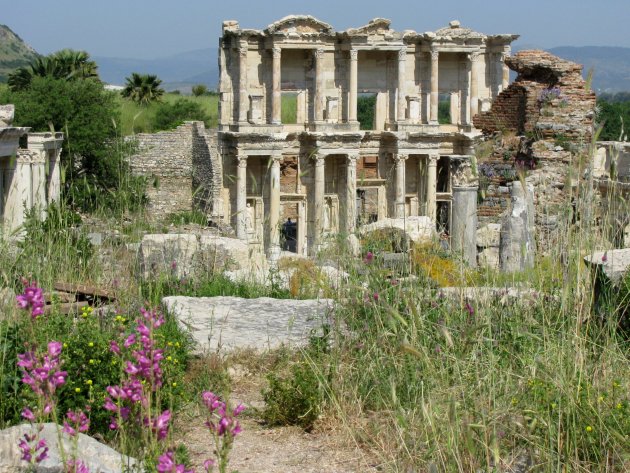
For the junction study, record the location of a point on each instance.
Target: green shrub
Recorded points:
(170, 115)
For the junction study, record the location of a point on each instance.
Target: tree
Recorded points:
(168, 116)
(143, 88)
(199, 90)
(66, 64)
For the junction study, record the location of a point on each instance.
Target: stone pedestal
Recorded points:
(517, 231)
(464, 224)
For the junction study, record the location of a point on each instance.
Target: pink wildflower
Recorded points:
(33, 298)
(369, 257)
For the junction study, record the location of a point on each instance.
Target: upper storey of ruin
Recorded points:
(325, 71)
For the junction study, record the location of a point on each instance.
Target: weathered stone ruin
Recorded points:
(322, 170)
(29, 178)
(540, 128)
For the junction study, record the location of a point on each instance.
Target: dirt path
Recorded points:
(259, 449)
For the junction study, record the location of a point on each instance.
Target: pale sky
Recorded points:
(156, 28)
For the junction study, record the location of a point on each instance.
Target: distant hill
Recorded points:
(611, 65)
(177, 71)
(14, 52)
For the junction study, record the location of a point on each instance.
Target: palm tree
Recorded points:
(143, 88)
(65, 64)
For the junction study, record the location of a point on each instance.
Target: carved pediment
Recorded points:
(300, 24)
(375, 26)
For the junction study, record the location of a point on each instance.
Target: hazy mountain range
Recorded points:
(611, 64)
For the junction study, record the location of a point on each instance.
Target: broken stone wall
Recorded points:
(182, 169)
(538, 129)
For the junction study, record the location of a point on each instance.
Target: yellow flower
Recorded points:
(615, 384)
(113, 362)
(514, 401)
(553, 405)
(91, 344)
(170, 344)
(177, 344)
(174, 384)
(89, 382)
(618, 406)
(175, 361)
(77, 390)
(589, 428)
(65, 345)
(91, 361)
(169, 358)
(118, 318)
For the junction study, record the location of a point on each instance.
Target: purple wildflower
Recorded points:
(76, 466)
(369, 257)
(32, 298)
(30, 451)
(76, 421)
(166, 464)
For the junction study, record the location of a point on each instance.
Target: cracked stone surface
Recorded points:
(228, 323)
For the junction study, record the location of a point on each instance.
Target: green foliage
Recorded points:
(140, 119)
(66, 64)
(615, 118)
(366, 109)
(56, 240)
(288, 111)
(95, 169)
(186, 218)
(298, 397)
(143, 88)
(199, 90)
(444, 112)
(171, 115)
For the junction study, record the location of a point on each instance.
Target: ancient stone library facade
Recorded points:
(320, 169)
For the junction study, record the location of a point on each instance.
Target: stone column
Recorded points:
(54, 177)
(352, 99)
(402, 58)
(351, 193)
(19, 192)
(497, 76)
(319, 190)
(506, 70)
(241, 197)
(274, 207)
(474, 84)
(243, 98)
(435, 55)
(465, 87)
(319, 84)
(400, 184)
(276, 108)
(38, 182)
(432, 186)
(464, 224)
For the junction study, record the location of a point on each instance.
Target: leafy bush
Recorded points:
(199, 89)
(171, 115)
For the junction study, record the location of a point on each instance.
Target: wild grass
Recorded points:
(138, 119)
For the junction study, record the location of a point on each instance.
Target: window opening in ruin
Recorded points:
(367, 168)
(444, 109)
(288, 110)
(443, 178)
(443, 219)
(367, 206)
(366, 110)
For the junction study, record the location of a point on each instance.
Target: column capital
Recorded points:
(243, 46)
(241, 160)
(435, 54)
(473, 56)
(402, 53)
(318, 159)
(276, 52)
(354, 54)
(352, 158)
(400, 157)
(433, 159)
(276, 159)
(319, 53)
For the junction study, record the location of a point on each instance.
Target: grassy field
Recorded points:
(138, 119)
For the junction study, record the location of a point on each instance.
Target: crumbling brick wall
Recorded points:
(537, 127)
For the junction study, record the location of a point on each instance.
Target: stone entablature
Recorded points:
(29, 178)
